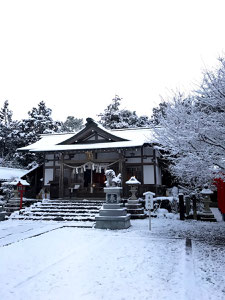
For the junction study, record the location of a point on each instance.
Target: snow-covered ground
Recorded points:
(56, 260)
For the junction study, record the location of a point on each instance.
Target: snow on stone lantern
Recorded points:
(133, 183)
(207, 214)
(134, 208)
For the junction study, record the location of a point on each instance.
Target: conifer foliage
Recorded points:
(16, 134)
(72, 124)
(113, 117)
(9, 135)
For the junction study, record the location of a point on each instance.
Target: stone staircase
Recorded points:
(60, 210)
(13, 204)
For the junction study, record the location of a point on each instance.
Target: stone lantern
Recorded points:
(207, 214)
(133, 183)
(134, 208)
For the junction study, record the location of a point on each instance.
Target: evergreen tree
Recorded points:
(110, 117)
(159, 112)
(114, 117)
(39, 122)
(71, 124)
(8, 130)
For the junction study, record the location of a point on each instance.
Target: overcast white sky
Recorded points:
(76, 55)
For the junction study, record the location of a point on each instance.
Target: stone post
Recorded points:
(181, 205)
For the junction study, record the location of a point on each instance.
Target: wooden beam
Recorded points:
(61, 177)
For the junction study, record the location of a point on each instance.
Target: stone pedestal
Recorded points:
(135, 209)
(112, 215)
(207, 214)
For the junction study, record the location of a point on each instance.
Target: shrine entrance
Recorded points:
(94, 181)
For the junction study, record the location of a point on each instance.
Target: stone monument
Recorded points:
(112, 215)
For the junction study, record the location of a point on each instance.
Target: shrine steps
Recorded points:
(60, 210)
(14, 204)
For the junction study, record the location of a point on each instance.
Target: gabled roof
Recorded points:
(92, 127)
(105, 139)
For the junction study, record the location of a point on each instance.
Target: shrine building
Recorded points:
(75, 163)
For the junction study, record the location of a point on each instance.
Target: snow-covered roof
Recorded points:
(8, 174)
(133, 137)
(16, 181)
(133, 181)
(47, 140)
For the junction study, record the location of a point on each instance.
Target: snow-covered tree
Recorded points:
(191, 131)
(8, 135)
(71, 124)
(39, 122)
(114, 117)
(110, 117)
(157, 112)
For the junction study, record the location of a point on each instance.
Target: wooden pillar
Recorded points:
(121, 165)
(122, 169)
(61, 176)
(91, 188)
(35, 183)
(155, 176)
(142, 171)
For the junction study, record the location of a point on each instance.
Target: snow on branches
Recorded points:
(191, 131)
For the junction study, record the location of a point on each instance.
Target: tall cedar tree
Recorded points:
(114, 117)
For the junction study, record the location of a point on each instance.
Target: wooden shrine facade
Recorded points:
(75, 164)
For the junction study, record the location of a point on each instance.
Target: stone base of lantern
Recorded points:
(207, 214)
(208, 217)
(112, 216)
(135, 209)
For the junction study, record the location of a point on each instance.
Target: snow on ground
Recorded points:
(56, 260)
